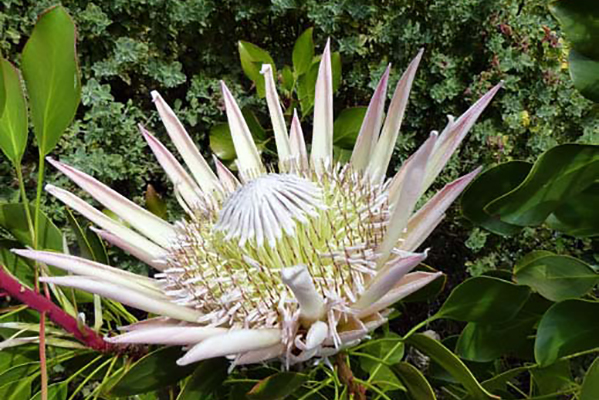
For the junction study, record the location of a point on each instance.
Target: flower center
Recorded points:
(263, 208)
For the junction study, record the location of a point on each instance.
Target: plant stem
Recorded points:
(42, 346)
(24, 200)
(346, 377)
(40, 303)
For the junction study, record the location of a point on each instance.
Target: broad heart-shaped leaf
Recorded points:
(207, 377)
(56, 391)
(451, 363)
(580, 22)
(13, 121)
(303, 52)
(277, 386)
(154, 371)
(347, 126)
(556, 277)
(417, 385)
(252, 57)
(49, 64)
(567, 328)
(484, 299)
(559, 174)
(590, 385)
(14, 219)
(578, 216)
(487, 187)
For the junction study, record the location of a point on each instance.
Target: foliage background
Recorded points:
(182, 48)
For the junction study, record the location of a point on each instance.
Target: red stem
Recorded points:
(38, 302)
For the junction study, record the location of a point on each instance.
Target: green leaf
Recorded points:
(13, 218)
(154, 371)
(306, 86)
(484, 299)
(488, 186)
(417, 385)
(287, 78)
(13, 123)
(49, 64)
(487, 342)
(56, 391)
(559, 174)
(385, 353)
(336, 70)
(90, 245)
(19, 372)
(567, 328)
(556, 277)
(207, 377)
(554, 378)
(347, 126)
(578, 215)
(252, 57)
(221, 142)
(14, 264)
(277, 386)
(2, 89)
(451, 363)
(17, 390)
(590, 385)
(580, 23)
(303, 52)
(154, 202)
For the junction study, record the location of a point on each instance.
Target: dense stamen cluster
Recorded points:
(231, 271)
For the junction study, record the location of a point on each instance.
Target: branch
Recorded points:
(346, 377)
(36, 301)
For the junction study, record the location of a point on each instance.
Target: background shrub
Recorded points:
(182, 48)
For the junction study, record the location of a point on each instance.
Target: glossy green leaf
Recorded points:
(13, 122)
(567, 328)
(18, 372)
(14, 264)
(580, 23)
(556, 277)
(207, 377)
(17, 390)
(451, 363)
(578, 216)
(487, 187)
(559, 174)
(2, 89)
(552, 379)
(90, 245)
(51, 73)
(487, 342)
(154, 202)
(277, 386)
(303, 52)
(221, 142)
(590, 385)
(287, 79)
(384, 352)
(484, 299)
(416, 384)
(252, 57)
(347, 126)
(154, 371)
(499, 382)
(336, 70)
(56, 391)
(13, 218)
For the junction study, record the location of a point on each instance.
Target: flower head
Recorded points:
(292, 262)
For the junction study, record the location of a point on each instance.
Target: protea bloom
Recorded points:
(293, 261)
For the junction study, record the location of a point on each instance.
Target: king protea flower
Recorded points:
(293, 261)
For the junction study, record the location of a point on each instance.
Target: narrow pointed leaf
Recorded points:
(385, 145)
(127, 296)
(247, 153)
(13, 120)
(276, 114)
(322, 134)
(198, 166)
(371, 126)
(51, 73)
(155, 228)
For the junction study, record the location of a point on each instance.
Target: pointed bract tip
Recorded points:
(265, 68)
(155, 95)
